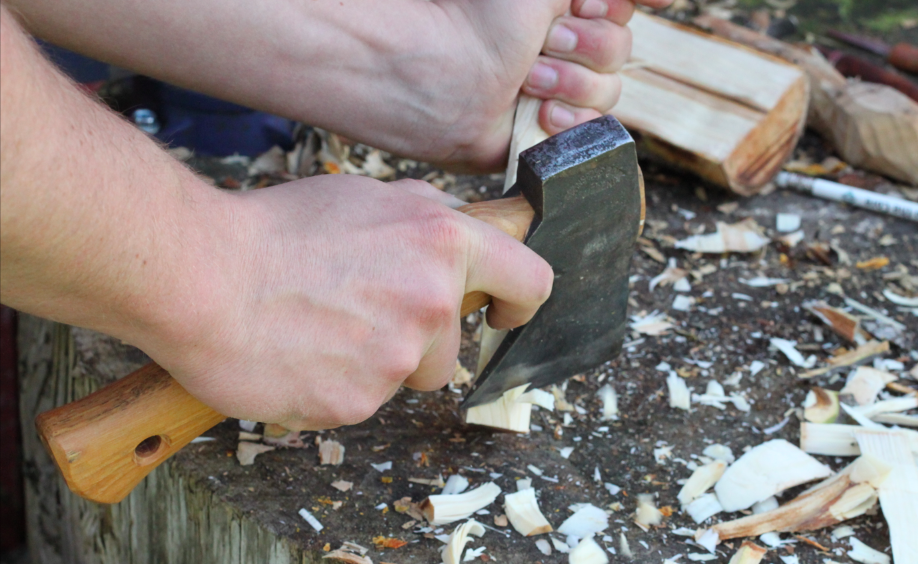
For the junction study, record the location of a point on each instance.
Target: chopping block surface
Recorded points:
(202, 507)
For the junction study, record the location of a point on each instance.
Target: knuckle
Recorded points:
(398, 365)
(615, 93)
(621, 12)
(610, 46)
(436, 307)
(358, 409)
(434, 383)
(413, 185)
(585, 88)
(443, 229)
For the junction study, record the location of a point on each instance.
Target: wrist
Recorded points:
(187, 287)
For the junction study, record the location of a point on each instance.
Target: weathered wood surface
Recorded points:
(202, 507)
(169, 518)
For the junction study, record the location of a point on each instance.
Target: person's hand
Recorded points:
(482, 54)
(432, 80)
(335, 290)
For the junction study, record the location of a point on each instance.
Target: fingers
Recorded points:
(616, 11)
(655, 4)
(425, 190)
(439, 364)
(576, 85)
(597, 44)
(518, 280)
(555, 116)
(576, 73)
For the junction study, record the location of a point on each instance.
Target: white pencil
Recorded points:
(829, 190)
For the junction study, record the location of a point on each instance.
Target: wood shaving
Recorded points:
(741, 237)
(246, 452)
(331, 453)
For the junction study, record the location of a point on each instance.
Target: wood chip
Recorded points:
(347, 557)
(246, 452)
(749, 553)
(409, 507)
(741, 237)
(899, 492)
(875, 263)
(865, 383)
(860, 354)
(331, 452)
(764, 471)
(846, 495)
(452, 552)
(841, 322)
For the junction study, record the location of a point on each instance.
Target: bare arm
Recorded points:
(433, 80)
(266, 305)
(289, 58)
(96, 218)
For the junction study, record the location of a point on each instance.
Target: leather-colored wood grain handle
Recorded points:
(107, 442)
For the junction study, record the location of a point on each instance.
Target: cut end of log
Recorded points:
(716, 108)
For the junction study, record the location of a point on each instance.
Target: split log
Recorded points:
(872, 126)
(716, 108)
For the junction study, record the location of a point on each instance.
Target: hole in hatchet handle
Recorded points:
(512, 216)
(107, 442)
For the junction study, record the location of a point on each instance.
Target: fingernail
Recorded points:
(561, 39)
(562, 117)
(594, 9)
(543, 76)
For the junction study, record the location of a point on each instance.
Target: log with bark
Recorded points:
(716, 108)
(872, 126)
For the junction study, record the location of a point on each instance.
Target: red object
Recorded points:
(12, 506)
(852, 66)
(903, 56)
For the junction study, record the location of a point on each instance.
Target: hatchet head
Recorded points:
(585, 187)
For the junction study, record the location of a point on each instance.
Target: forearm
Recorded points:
(297, 59)
(98, 221)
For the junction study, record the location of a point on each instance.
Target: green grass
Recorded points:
(890, 20)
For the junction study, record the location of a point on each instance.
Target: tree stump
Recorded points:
(169, 517)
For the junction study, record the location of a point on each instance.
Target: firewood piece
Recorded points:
(710, 106)
(872, 126)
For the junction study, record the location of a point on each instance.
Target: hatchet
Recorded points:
(577, 202)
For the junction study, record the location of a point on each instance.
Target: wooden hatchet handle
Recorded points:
(107, 442)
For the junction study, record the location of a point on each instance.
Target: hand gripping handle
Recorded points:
(107, 442)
